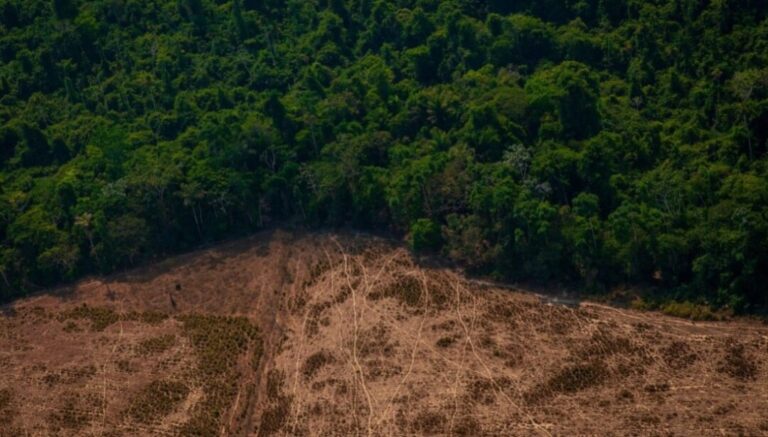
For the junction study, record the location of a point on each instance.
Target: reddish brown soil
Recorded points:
(348, 335)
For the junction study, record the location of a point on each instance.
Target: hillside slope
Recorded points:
(325, 334)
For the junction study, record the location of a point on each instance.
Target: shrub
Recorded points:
(688, 310)
(425, 236)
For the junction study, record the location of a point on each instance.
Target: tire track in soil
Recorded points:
(271, 327)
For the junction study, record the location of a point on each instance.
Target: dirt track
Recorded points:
(343, 335)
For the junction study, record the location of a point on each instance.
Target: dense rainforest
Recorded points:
(603, 142)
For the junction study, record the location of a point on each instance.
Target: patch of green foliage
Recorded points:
(688, 310)
(425, 236)
(603, 142)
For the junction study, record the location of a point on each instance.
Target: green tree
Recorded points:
(425, 236)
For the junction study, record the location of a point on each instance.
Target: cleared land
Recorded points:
(343, 335)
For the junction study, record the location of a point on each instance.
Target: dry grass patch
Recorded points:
(604, 344)
(219, 343)
(72, 327)
(315, 315)
(316, 272)
(275, 416)
(678, 355)
(75, 412)
(467, 426)
(315, 362)
(156, 400)
(445, 342)
(481, 391)
(156, 345)
(429, 423)
(100, 318)
(126, 366)
(737, 363)
(406, 289)
(569, 379)
(147, 317)
(7, 410)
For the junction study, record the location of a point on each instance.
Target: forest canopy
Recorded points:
(603, 142)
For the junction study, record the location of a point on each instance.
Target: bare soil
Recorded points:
(319, 334)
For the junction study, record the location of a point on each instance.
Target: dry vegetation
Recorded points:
(323, 335)
(219, 343)
(156, 400)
